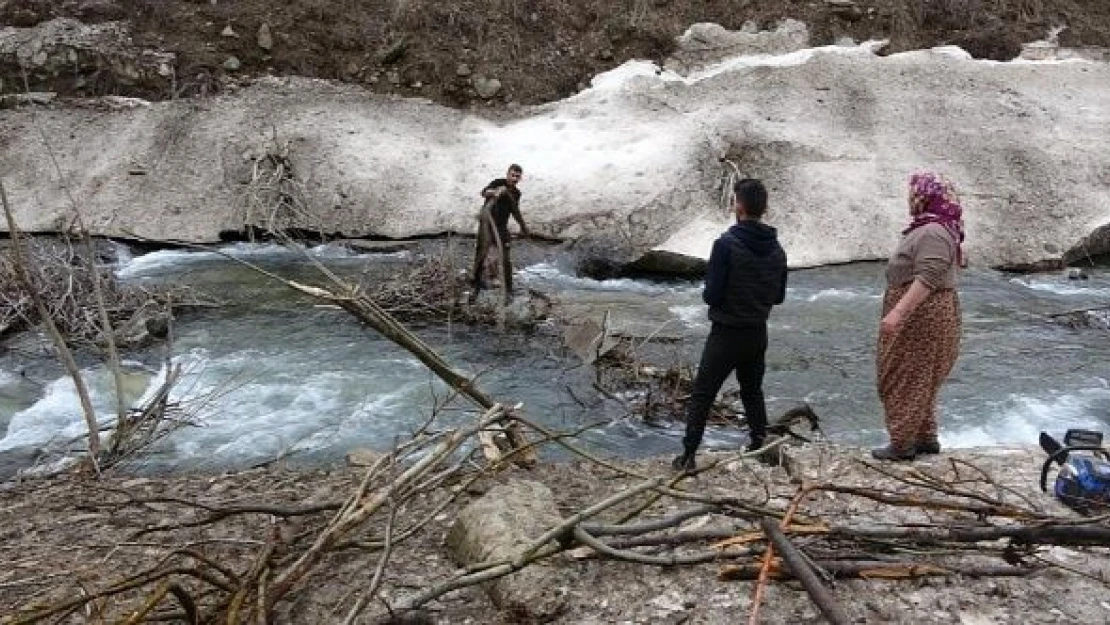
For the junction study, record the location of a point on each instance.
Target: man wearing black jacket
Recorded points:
(502, 201)
(745, 278)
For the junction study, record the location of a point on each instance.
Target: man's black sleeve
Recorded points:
(716, 274)
(785, 274)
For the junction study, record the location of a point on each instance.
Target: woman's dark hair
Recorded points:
(753, 195)
(517, 168)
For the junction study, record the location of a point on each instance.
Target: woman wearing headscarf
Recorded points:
(919, 337)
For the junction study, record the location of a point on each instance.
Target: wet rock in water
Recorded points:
(12, 461)
(143, 329)
(500, 526)
(524, 310)
(158, 325)
(664, 262)
(1077, 273)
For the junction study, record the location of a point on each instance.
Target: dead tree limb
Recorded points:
(798, 566)
(684, 559)
(880, 570)
(90, 265)
(916, 501)
(56, 337)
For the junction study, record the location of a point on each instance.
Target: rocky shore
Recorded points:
(66, 533)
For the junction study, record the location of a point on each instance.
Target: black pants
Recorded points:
(728, 349)
(488, 235)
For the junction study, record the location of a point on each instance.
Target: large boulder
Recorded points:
(499, 526)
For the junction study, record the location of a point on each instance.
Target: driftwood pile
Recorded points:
(61, 275)
(436, 290)
(252, 560)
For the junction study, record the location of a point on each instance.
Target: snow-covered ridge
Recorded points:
(634, 161)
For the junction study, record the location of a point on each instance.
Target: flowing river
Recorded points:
(271, 375)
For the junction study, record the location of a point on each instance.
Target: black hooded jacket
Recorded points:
(746, 275)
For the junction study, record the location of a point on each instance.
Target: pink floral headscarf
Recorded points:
(934, 201)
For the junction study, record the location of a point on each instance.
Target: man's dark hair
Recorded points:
(753, 195)
(517, 168)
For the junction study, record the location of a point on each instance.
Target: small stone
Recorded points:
(228, 31)
(1077, 273)
(393, 77)
(417, 85)
(463, 70)
(393, 52)
(362, 457)
(486, 87)
(605, 55)
(265, 38)
(232, 64)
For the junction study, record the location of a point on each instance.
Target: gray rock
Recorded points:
(499, 526)
(68, 47)
(486, 87)
(393, 52)
(463, 70)
(232, 64)
(228, 31)
(16, 459)
(1077, 273)
(362, 457)
(35, 97)
(265, 38)
(704, 44)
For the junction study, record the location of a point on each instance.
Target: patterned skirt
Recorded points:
(913, 364)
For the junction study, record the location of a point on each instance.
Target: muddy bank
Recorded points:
(68, 532)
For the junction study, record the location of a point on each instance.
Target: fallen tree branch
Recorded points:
(798, 567)
(880, 570)
(56, 337)
(625, 555)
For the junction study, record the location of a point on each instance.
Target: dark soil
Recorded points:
(540, 51)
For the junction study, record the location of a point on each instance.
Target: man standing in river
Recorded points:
(746, 276)
(502, 200)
